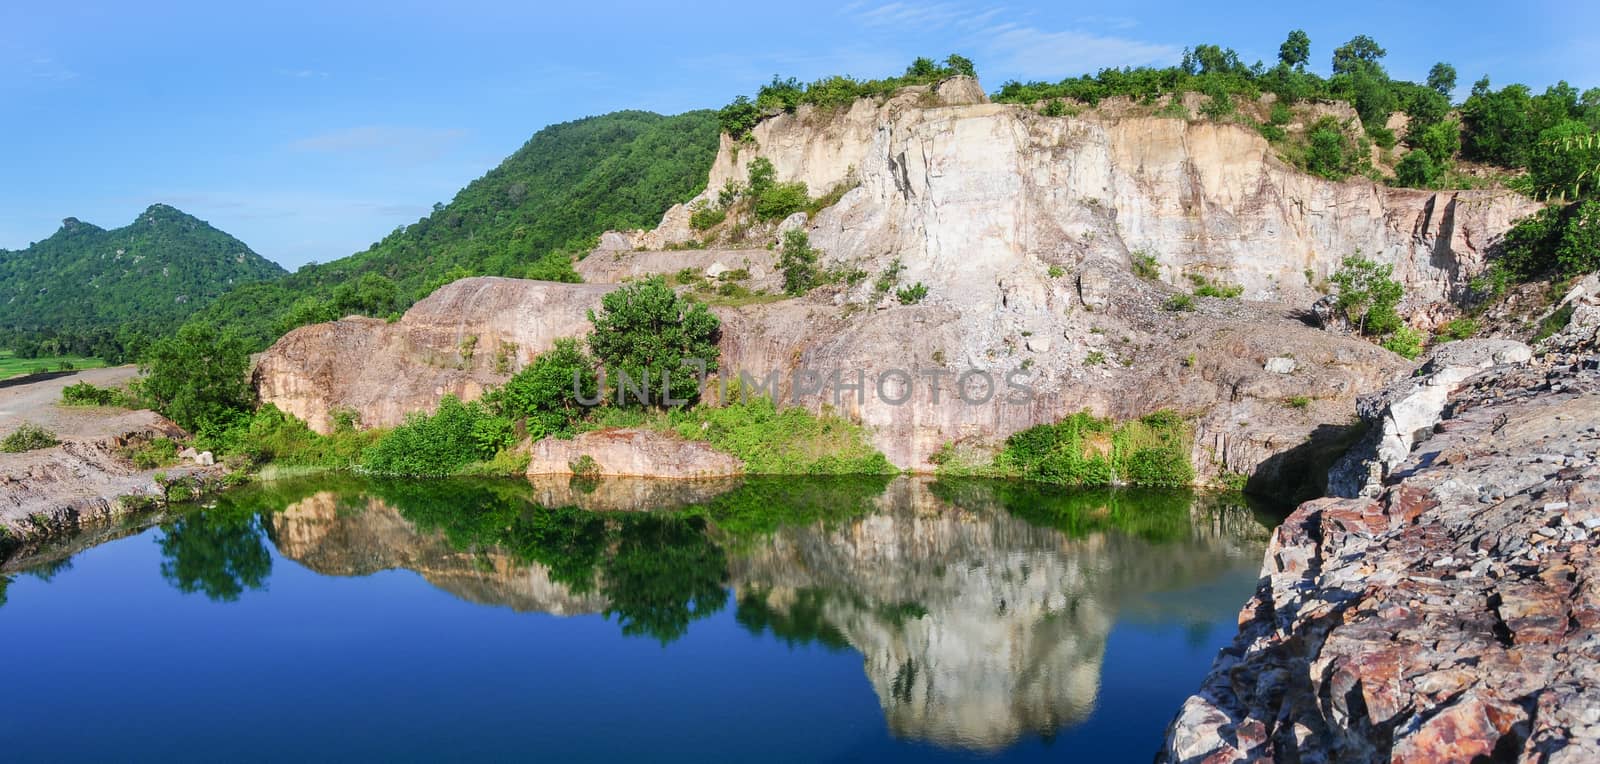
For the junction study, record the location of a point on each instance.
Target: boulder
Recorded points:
(631, 452)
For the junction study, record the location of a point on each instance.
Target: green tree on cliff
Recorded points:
(645, 331)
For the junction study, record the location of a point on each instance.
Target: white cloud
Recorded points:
(303, 74)
(1022, 49)
(1035, 53)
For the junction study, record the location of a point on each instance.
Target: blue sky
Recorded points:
(309, 130)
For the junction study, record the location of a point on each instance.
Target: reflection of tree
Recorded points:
(762, 505)
(1155, 515)
(217, 553)
(802, 622)
(4, 582)
(665, 573)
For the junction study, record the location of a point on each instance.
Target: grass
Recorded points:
(12, 366)
(769, 440)
(1084, 450)
(27, 437)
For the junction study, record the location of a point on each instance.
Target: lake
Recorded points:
(883, 619)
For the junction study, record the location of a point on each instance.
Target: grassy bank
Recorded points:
(1084, 450)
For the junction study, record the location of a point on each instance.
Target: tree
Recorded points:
(646, 331)
(1368, 295)
(198, 378)
(1330, 153)
(1442, 78)
(960, 65)
(218, 554)
(1416, 170)
(798, 261)
(1362, 53)
(1295, 52)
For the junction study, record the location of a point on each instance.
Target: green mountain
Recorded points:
(525, 218)
(147, 276)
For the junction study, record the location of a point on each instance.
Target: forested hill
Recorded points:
(568, 184)
(149, 275)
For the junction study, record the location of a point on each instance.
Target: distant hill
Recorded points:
(148, 276)
(525, 218)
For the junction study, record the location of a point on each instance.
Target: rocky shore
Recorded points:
(1453, 613)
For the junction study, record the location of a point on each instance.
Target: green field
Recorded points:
(12, 366)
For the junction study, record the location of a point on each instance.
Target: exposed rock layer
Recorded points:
(1455, 615)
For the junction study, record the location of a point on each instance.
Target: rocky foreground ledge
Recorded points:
(1453, 615)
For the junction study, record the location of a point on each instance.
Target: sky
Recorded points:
(311, 129)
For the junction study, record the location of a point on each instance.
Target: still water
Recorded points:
(756, 620)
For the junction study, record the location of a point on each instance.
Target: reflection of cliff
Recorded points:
(361, 538)
(976, 626)
(981, 612)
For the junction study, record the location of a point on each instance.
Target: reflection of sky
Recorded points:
(388, 666)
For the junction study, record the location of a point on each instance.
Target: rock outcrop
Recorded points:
(1394, 415)
(630, 453)
(1454, 616)
(1022, 228)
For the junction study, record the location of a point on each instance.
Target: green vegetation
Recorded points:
(1459, 329)
(1552, 135)
(798, 261)
(1404, 341)
(913, 294)
(27, 437)
(442, 443)
(151, 454)
(644, 333)
(85, 394)
(768, 439)
(13, 365)
(1554, 323)
(526, 218)
(707, 217)
(786, 95)
(1084, 450)
(545, 396)
(1368, 295)
(270, 436)
(1145, 265)
(1204, 287)
(1179, 303)
(86, 291)
(198, 378)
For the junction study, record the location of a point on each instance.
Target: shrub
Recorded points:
(442, 443)
(1298, 402)
(781, 200)
(1095, 358)
(1330, 154)
(1404, 341)
(798, 261)
(1459, 329)
(1056, 271)
(85, 394)
(584, 466)
(646, 331)
(1145, 266)
(27, 437)
(1368, 296)
(889, 279)
(1179, 303)
(1417, 170)
(709, 217)
(546, 394)
(1086, 450)
(912, 294)
(159, 452)
(1204, 287)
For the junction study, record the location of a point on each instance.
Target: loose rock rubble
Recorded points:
(1454, 615)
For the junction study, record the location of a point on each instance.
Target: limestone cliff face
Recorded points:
(975, 195)
(1022, 228)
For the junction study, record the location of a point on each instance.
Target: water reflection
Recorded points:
(982, 610)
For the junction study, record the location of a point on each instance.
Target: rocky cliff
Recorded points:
(1022, 228)
(1452, 615)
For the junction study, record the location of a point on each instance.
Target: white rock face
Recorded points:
(1280, 365)
(1398, 413)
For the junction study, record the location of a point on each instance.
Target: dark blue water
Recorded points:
(774, 621)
